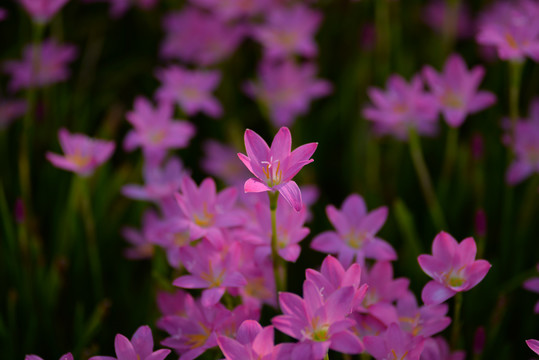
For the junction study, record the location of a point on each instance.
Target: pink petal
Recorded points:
(338, 219)
(211, 296)
(532, 285)
(190, 282)
(232, 349)
(481, 100)
(142, 341)
(291, 193)
(300, 157)
(248, 331)
(374, 220)
(257, 149)
(432, 266)
(281, 145)
(518, 171)
(467, 251)
(346, 342)
(534, 345)
(476, 272)
(158, 355)
(327, 242)
(255, 185)
(380, 250)
(435, 293)
(124, 348)
(444, 246)
(263, 343)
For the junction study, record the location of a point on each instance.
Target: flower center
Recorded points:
(394, 355)
(205, 219)
(356, 241)
(452, 100)
(197, 340)
(273, 172)
(157, 136)
(454, 278)
(511, 41)
(79, 159)
(319, 332)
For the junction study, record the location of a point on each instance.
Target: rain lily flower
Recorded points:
(220, 161)
(172, 303)
(456, 90)
(289, 31)
(321, 323)
(426, 320)
(11, 109)
(252, 343)
(511, 27)
(355, 237)
(275, 166)
(453, 268)
(402, 106)
(155, 130)
(190, 89)
(67, 356)
(438, 349)
(119, 7)
(49, 69)
(434, 15)
(234, 9)
(142, 247)
(285, 90)
(139, 348)
(42, 11)
(533, 345)
(82, 153)
(394, 344)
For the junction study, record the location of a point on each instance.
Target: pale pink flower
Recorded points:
(42, 11)
(394, 344)
(253, 342)
(11, 109)
(434, 15)
(234, 9)
(438, 349)
(220, 161)
(67, 356)
(533, 345)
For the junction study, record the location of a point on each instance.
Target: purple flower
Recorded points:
(11, 109)
(252, 343)
(355, 237)
(49, 69)
(434, 15)
(82, 153)
(402, 106)
(139, 348)
(532, 284)
(42, 11)
(286, 90)
(234, 9)
(533, 345)
(220, 161)
(142, 247)
(456, 90)
(67, 356)
(426, 320)
(190, 89)
(512, 28)
(119, 7)
(453, 268)
(394, 344)
(438, 349)
(275, 167)
(289, 31)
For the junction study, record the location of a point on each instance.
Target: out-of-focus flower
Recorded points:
(142, 247)
(456, 90)
(394, 343)
(286, 90)
(10, 110)
(426, 320)
(435, 13)
(453, 268)
(67, 356)
(42, 65)
(190, 89)
(252, 342)
(275, 167)
(3, 14)
(512, 28)
(42, 11)
(402, 106)
(289, 31)
(533, 345)
(139, 348)
(119, 7)
(82, 154)
(438, 349)
(532, 284)
(234, 9)
(220, 161)
(355, 237)
(214, 40)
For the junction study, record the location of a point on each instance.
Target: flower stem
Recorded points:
(383, 37)
(276, 260)
(515, 77)
(455, 330)
(327, 356)
(418, 160)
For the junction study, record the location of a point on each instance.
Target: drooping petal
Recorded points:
(291, 193)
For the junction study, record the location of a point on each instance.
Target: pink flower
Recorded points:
(434, 15)
(11, 109)
(533, 345)
(82, 153)
(426, 320)
(512, 28)
(190, 89)
(275, 167)
(355, 237)
(438, 349)
(533, 285)
(252, 343)
(139, 348)
(67, 356)
(286, 90)
(394, 344)
(49, 69)
(453, 268)
(289, 31)
(142, 248)
(42, 11)
(234, 9)
(220, 161)
(402, 106)
(456, 90)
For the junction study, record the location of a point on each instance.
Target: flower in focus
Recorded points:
(456, 90)
(286, 90)
(82, 154)
(355, 237)
(42, 65)
(453, 268)
(252, 343)
(190, 89)
(10, 110)
(275, 167)
(42, 11)
(402, 106)
(394, 343)
(67, 356)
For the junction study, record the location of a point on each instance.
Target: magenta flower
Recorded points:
(426, 320)
(119, 7)
(220, 161)
(234, 9)
(252, 343)
(533, 285)
(142, 247)
(42, 11)
(11, 109)
(321, 323)
(67, 356)
(434, 15)
(533, 345)
(286, 90)
(139, 348)
(289, 31)
(512, 28)
(453, 268)
(82, 153)
(172, 303)
(275, 167)
(456, 90)
(155, 130)
(355, 237)
(402, 106)
(438, 349)
(51, 67)
(394, 344)
(190, 89)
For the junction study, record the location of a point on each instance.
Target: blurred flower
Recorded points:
(289, 31)
(453, 268)
(402, 106)
(82, 153)
(234, 9)
(434, 15)
(220, 161)
(190, 89)
(426, 320)
(11, 109)
(139, 348)
(67, 356)
(438, 349)
(3, 14)
(511, 27)
(252, 342)
(142, 248)
(477, 147)
(456, 90)
(394, 343)
(119, 7)
(43, 64)
(42, 11)
(532, 284)
(275, 167)
(481, 222)
(355, 238)
(214, 40)
(285, 90)
(533, 345)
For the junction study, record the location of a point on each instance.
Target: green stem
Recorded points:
(455, 330)
(383, 36)
(451, 150)
(276, 260)
(327, 356)
(418, 160)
